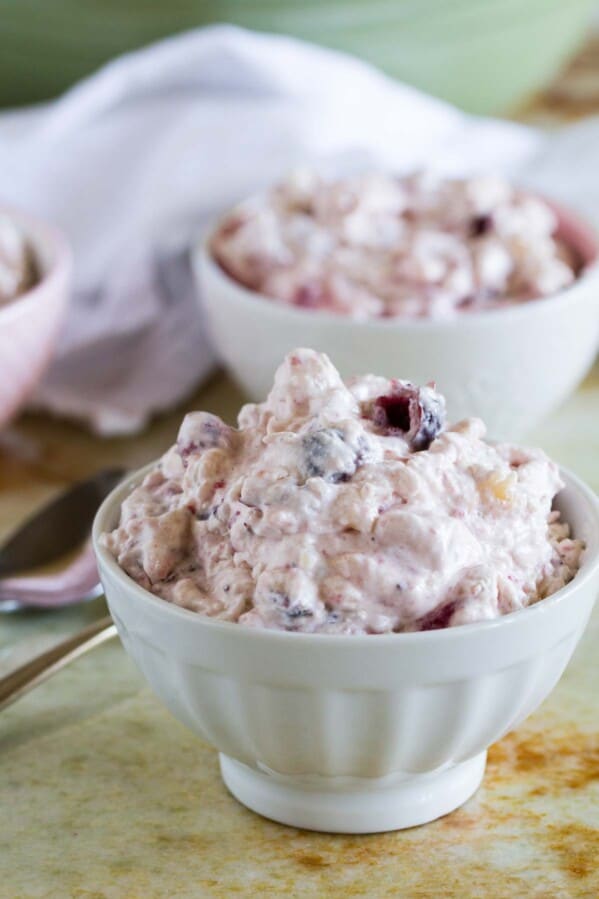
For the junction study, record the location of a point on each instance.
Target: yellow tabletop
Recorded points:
(104, 795)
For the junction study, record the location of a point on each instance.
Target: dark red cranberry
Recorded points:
(438, 618)
(411, 412)
(393, 412)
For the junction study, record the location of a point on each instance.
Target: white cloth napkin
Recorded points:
(137, 160)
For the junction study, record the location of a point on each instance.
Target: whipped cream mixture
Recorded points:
(345, 509)
(17, 268)
(380, 246)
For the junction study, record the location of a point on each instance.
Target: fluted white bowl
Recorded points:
(353, 734)
(30, 323)
(511, 367)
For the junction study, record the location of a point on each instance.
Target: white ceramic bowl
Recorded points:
(511, 367)
(29, 324)
(353, 734)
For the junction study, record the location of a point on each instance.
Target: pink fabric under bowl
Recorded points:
(29, 325)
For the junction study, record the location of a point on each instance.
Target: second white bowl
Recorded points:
(511, 367)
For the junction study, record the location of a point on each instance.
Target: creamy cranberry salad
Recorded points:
(379, 246)
(17, 267)
(345, 508)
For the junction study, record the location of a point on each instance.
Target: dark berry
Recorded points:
(393, 412)
(290, 610)
(326, 454)
(299, 613)
(416, 414)
(341, 477)
(438, 618)
(431, 423)
(480, 225)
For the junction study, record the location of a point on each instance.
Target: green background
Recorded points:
(486, 55)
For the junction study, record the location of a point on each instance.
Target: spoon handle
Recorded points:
(29, 675)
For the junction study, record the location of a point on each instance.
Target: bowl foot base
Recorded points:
(350, 804)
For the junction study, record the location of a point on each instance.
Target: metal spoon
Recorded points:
(60, 527)
(39, 669)
(52, 532)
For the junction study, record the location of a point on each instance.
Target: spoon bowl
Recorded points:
(60, 528)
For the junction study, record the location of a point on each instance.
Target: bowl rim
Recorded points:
(39, 233)
(202, 257)
(581, 492)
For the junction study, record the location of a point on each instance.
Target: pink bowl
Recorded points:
(29, 325)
